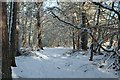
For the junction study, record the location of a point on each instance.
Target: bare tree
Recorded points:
(13, 34)
(111, 8)
(6, 66)
(0, 39)
(39, 25)
(84, 34)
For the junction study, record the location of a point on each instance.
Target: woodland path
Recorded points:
(57, 63)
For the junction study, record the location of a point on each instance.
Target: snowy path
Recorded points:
(51, 63)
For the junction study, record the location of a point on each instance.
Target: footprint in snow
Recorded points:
(58, 67)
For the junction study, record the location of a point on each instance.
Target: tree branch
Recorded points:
(105, 7)
(55, 16)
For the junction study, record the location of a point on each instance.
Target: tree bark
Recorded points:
(73, 38)
(99, 29)
(0, 40)
(6, 68)
(84, 34)
(97, 23)
(119, 31)
(0, 30)
(73, 32)
(23, 26)
(13, 33)
(30, 30)
(91, 51)
(119, 45)
(78, 39)
(18, 31)
(39, 27)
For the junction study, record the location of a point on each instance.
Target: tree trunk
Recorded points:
(30, 30)
(18, 31)
(78, 40)
(6, 68)
(119, 32)
(91, 52)
(39, 27)
(0, 30)
(13, 33)
(97, 23)
(0, 40)
(73, 38)
(84, 34)
(23, 26)
(119, 45)
(73, 32)
(99, 29)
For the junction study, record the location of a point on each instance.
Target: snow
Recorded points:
(57, 63)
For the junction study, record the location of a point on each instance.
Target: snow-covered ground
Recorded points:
(56, 63)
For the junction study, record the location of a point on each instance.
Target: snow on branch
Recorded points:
(107, 7)
(79, 27)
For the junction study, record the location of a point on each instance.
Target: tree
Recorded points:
(112, 8)
(13, 35)
(0, 39)
(84, 36)
(6, 66)
(24, 22)
(18, 31)
(39, 25)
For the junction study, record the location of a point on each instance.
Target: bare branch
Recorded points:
(55, 16)
(106, 7)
